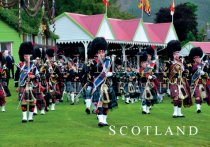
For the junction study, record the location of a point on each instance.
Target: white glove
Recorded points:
(202, 72)
(109, 74)
(89, 88)
(150, 77)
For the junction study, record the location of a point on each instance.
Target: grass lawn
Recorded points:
(71, 126)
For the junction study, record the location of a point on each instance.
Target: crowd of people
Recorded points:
(43, 79)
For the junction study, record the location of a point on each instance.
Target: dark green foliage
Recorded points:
(90, 7)
(185, 19)
(29, 25)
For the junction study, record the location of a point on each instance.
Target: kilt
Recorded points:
(113, 99)
(78, 87)
(48, 98)
(25, 95)
(2, 98)
(40, 101)
(97, 95)
(174, 90)
(88, 92)
(70, 86)
(62, 86)
(126, 87)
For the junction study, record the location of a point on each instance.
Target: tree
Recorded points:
(185, 19)
(90, 7)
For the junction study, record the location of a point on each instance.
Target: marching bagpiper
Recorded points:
(25, 72)
(100, 72)
(70, 78)
(199, 77)
(120, 79)
(52, 77)
(145, 85)
(40, 103)
(151, 63)
(129, 87)
(3, 75)
(179, 87)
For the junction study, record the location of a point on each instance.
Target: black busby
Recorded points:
(38, 52)
(0, 56)
(99, 43)
(196, 51)
(50, 52)
(142, 56)
(173, 46)
(26, 48)
(118, 61)
(150, 50)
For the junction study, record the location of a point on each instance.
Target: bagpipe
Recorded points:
(195, 81)
(104, 93)
(147, 93)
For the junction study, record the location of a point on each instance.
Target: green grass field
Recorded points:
(71, 126)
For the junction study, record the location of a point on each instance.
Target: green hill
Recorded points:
(132, 7)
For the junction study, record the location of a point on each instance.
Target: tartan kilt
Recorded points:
(97, 94)
(70, 87)
(62, 86)
(113, 99)
(87, 93)
(174, 90)
(2, 98)
(78, 87)
(40, 101)
(48, 98)
(23, 95)
(126, 88)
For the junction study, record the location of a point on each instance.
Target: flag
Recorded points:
(172, 8)
(106, 2)
(145, 5)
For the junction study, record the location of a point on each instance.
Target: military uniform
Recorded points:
(2, 92)
(179, 87)
(199, 77)
(25, 73)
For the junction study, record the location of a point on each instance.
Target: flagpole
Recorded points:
(142, 13)
(106, 10)
(172, 19)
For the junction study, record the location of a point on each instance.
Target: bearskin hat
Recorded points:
(0, 56)
(38, 52)
(196, 51)
(173, 46)
(50, 52)
(118, 61)
(99, 43)
(150, 51)
(60, 53)
(26, 48)
(142, 56)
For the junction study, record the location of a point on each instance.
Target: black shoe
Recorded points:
(175, 116)
(87, 111)
(106, 124)
(100, 124)
(72, 104)
(24, 121)
(46, 109)
(30, 120)
(34, 114)
(93, 112)
(8, 95)
(198, 111)
(182, 116)
(143, 112)
(61, 101)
